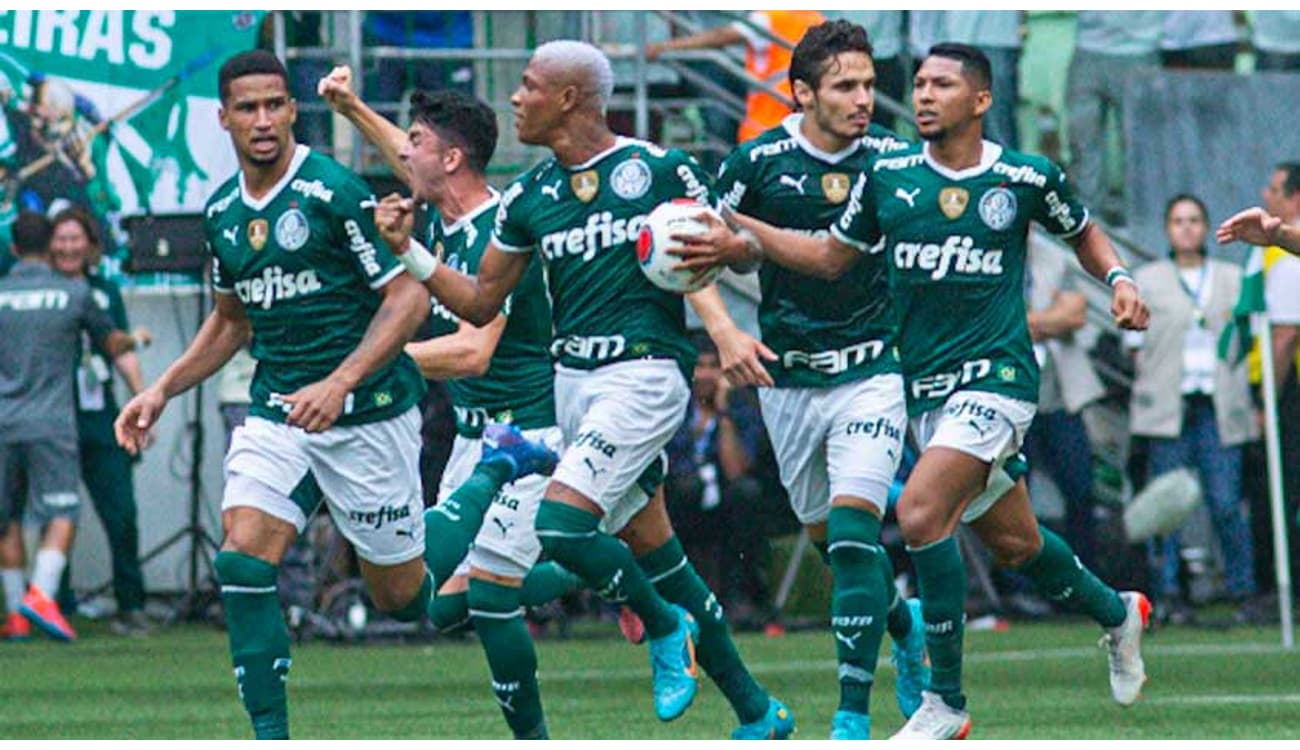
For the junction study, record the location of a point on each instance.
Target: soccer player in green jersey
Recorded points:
(623, 355)
(837, 413)
(299, 265)
(500, 372)
(952, 217)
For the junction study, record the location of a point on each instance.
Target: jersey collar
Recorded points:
(988, 157)
(619, 142)
(300, 153)
(469, 216)
(791, 124)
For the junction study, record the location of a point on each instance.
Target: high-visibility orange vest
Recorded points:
(770, 63)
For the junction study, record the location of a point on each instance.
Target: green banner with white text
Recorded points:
(115, 111)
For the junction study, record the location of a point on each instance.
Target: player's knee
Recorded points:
(237, 569)
(405, 608)
(1013, 551)
(919, 524)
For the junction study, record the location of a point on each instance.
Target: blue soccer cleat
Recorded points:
(912, 670)
(850, 725)
(673, 667)
(776, 724)
(504, 443)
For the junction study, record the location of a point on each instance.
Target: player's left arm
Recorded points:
(1063, 215)
(466, 353)
(740, 353)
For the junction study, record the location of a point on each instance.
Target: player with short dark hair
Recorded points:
(837, 413)
(500, 372)
(951, 217)
(299, 266)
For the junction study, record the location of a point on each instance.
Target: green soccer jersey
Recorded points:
(519, 384)
(824, 333)
(306, 262)
(955, 243)
(585, 220)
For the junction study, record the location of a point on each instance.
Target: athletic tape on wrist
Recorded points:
(417, 259)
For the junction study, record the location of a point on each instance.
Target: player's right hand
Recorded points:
(717, 246)
(1129, 311)
(336, 89)
(395, 217)
(132, 426)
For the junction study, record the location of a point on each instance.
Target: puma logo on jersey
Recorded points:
(977, 428)
(504, 526)
(406, 533)
(595, 472)
(231, 234)
(957, 254)
(906, 197)
(789, 181)
(553, 190)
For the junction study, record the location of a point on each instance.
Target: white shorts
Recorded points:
(368, 473)
(841, 441)
(988, 426)
(616, 421)
(506, 544)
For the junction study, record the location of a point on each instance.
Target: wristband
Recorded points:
(1118, 274)
(419, 262)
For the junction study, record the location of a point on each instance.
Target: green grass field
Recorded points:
(1033, 681)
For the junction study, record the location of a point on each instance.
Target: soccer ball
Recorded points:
(653, 243)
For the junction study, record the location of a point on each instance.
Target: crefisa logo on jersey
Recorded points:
(998, 208)
(631, 179)
(292, 230)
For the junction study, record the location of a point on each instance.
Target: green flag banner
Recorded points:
(1236, 340)
(114, 110)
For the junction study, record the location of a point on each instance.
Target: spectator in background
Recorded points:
(1194, 407)
(42, 315)
(616, 30)
(765, 60)
(1276, 37)
(106, 468)
(1057, 442)
(1282, 296)
(1199, 40)
(303, 28)
(1110, 48)
(997, 33)
(713, 490)
(885, 31)
(391, 76)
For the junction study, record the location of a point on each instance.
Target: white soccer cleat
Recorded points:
(1124, 642)
(935, 720)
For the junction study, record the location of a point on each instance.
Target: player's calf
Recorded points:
(259, 640)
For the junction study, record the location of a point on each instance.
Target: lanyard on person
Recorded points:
(1195, 295)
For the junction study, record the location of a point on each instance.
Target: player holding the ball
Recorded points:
(623, 359)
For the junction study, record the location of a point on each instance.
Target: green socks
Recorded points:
(1060, 577)
(941, 578)
(570, 537)
(859, 602)
(546, 582)
(498, 619)
(450, 526)
(449, 612)
(675, 579)
(259, 641)
(899, 619)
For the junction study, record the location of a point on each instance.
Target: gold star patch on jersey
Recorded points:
(258, 231)
(585, 184)
(438, 250)
(952, 201)
(835, 186)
